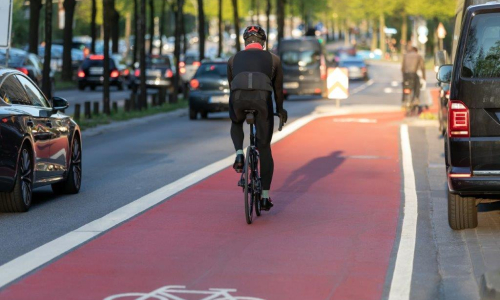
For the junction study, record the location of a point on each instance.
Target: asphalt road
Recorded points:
(127, 162)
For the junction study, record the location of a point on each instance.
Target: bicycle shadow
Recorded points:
(301, 180)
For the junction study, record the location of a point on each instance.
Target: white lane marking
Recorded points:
(401, 278)
(352, 120)
(362, 87)
(394, 84)
(388, 90)
(29, 261)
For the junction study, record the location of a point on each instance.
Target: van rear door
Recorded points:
(477, 80)
(301, 62)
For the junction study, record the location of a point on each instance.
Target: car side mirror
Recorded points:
(444, 73)
(59, 104)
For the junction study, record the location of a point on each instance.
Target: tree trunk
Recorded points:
(93, 28)
(268, 22)
(374, 37)
(382, 33)
(151, 25)
(46, 84)
(177, 50)
(162, 23)
(236, 20)
(136, 32)
(183, 33)
(346, 33)
(115, 29)
(201, 29)
(290, 11)
(128, 29)
(107, 18)
(221, 29)
(67, 67)
(142, 60)
(35, 6)
(280, 13)
(404, 33)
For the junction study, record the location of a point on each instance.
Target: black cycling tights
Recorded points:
(264, 135)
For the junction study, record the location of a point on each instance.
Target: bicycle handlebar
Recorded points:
(281, 122)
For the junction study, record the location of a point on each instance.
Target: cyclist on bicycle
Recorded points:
(253, 75)
(412, 63)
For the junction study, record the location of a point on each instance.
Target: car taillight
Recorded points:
(137, 73)
(126, 72)
(363, 69)
(169, 73)
(322, 68)
(23, 70)
(182, 64)
(196, 63)
(96, 57)
(458, 119)
(406, 91)
(81, 74)
(115, 74)
(194, 83)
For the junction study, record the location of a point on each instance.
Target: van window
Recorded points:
(482, 50)
(300, 58)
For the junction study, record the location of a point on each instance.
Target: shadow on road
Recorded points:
(300, 181)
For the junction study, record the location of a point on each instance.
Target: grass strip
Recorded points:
(122, 115)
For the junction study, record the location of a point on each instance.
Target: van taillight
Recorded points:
(458, 119)
(322, 68)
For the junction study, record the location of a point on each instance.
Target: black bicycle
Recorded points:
(250, 179)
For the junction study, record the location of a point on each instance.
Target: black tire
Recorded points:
(462, 212)
(285, 97)
(193, 114)
(19, 200)
(73, 181)
(248, 197)
(256, 186)
(92, 87)
(120, 86)
(81, 86)
(204, 114)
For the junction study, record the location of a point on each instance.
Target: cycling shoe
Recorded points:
(238, 163)
(266, 204)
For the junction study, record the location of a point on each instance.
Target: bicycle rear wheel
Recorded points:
(248, 194)
(256, 185)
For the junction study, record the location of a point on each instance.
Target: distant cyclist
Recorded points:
(253, 75)
(412, 63)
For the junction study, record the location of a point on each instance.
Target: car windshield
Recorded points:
(300, 58)
(352, 63)
(14, 61)
(190, 59)
(158, 61)
(212, 70)
(89, 62)
(482, 51)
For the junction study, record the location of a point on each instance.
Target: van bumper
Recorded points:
(305, 88)
(475, 185)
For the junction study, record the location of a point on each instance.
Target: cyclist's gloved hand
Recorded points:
(283, 115)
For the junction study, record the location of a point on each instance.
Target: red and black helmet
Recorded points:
(255, 30)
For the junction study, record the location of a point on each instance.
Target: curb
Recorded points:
(489, 286)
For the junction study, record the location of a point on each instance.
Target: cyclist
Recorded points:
(412, 63)
(253, 75)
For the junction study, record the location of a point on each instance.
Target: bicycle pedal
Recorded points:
(241, 183)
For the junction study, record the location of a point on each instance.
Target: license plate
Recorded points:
(153, 73)
(291, 85)
(96, 71)
(219, 99)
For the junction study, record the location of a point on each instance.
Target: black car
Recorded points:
(209, 89)
(356, 67)
(27, 63)
(304, 66)
(91, 73)
(159, 73)
(472, 144)
(39, 145)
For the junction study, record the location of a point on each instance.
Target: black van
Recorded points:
(304, 66)
(472, 144)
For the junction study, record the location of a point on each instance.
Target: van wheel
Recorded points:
(462, 212)
(192, 114)
(204, 115)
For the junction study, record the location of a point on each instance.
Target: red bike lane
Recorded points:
(336, 190)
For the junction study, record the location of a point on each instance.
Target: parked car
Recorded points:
(472, 144)
(39, 144)
(356, 67)
(159, 73)
(56, 60)
(27, 63)
(209, 89)
(304, 66)
(91, 73)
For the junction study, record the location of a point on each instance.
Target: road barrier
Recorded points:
(337, 84)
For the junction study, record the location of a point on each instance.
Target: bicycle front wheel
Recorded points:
(248, 194)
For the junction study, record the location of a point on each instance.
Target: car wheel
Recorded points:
(19, 200)
(120, 86)
(462, 212)
(204, 115)
(285, 97)
(192, 114)
(81, 86)
(73, 182)
(92, 87)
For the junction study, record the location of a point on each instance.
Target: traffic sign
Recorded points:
(337, 83)
(423, 30)
(5, 23)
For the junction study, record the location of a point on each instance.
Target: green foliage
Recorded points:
(20, 24)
